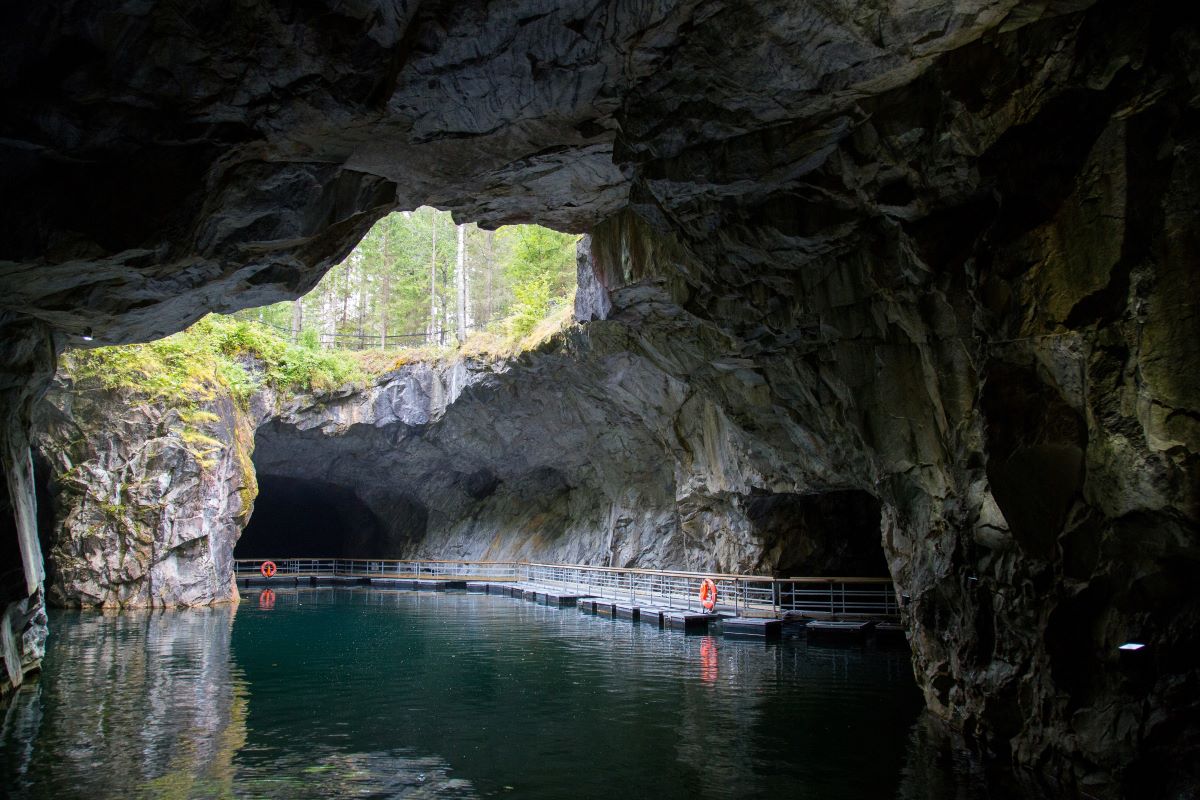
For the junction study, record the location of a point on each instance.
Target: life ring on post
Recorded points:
(268, 569)
(708, 594)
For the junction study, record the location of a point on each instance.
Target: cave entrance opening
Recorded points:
(829, 534)
(298, 518)
(418, 279)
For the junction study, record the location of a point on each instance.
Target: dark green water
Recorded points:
(365, 693)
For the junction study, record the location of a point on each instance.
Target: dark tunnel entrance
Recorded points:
(12, 570)
(828, 534)
(297, 518)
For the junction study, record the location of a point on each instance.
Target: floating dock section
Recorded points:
(843, 630)
(752, 627)
(756, 607)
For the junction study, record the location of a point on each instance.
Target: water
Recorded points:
(381, 694)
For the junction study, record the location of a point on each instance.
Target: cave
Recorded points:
(937, 255)
(297, 518)
(832, 533)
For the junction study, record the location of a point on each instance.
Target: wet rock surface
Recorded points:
(937, 253)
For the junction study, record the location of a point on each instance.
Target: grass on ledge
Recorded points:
(217, 351)
(243, 357)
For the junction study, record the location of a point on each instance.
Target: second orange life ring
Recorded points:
(268, 569)
(708, 594)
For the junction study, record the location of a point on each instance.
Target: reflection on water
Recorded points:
(356, 693)
(139, 703)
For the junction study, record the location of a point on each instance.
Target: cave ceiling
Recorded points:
(165, 159)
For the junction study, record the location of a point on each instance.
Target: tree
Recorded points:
(460, 281)
(402, 284)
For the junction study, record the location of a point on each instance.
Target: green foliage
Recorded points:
(531, 305)
(400, 282)
(310, 340)
(217, 352)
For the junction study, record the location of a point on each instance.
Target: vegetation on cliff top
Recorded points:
(217, 352)
(418, 280)
(224, 354)
(518, 283)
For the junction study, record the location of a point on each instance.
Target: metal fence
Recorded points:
(374, 341)
(752, 595)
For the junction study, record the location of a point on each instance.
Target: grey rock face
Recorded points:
(941, 253)
(26, 364)
(610, 445)
(226, 158)
(147, 502)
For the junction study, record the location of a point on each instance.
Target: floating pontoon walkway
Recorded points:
(747, 605)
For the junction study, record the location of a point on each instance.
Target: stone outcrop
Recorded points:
(144, 498)
(940, 253)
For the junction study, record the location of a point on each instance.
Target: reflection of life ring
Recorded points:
(266, 599)
(267, 569)
(708, 660)
(708, 594)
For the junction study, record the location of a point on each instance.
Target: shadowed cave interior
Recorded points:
(834, 533)
(12, 576)
(297, 518)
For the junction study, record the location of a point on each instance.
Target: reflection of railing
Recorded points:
(743, 594)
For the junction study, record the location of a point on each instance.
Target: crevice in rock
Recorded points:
(43, 478)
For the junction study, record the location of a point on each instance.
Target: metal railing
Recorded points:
(752, 595)
(374, 341)
(382, 568)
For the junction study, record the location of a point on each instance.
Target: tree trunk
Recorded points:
(490, 263)
(433, 282)
(297, 319)
(460, 281)
(345, 296)
(385, 292)
(385, 288)
(364, 301)
(328, 315)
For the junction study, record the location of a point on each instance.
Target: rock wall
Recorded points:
(610, 444)
(26, 363)
(146, 497)
(936, 252)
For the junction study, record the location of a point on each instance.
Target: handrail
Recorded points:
(753, 594)
(589, 567)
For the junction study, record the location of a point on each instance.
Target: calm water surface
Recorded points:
(381, 694)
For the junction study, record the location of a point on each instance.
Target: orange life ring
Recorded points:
(268, 569)
(708, 594)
